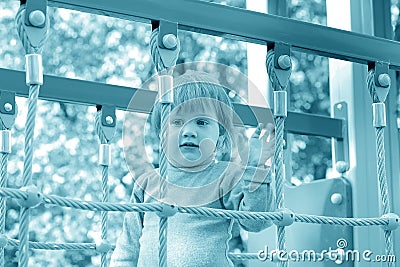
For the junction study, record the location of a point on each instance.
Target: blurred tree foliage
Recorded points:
(102, 49)
(309, 93)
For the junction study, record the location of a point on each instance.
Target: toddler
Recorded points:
(203, 170)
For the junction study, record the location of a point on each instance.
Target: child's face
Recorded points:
(192, 137)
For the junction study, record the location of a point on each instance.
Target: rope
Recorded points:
(208, 212)
(29, 47)
(27, 173)
(381, 168)
(280, 182)
(161, 66)
(3, 183)
(104, 186)
(278, 158)
(166, 109)
(55, 246)
(202, 211)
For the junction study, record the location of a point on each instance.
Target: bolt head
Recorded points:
(284, 62)
(384, 80)
(37, 18)
(170, 41)
(342, 166)
(8, 107)
(336, 199)
(109, 120)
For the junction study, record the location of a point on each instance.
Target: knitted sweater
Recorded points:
(193, 240)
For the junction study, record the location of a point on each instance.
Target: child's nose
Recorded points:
(188, 130)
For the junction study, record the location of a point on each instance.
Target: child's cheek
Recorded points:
(207, 146)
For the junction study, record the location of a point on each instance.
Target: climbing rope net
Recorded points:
(164, 51)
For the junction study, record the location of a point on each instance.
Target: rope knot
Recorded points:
(167, 210)
(393, 221)
(34, 197)
(287, 217)
(103, 246)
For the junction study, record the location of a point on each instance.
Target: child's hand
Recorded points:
(261, 147)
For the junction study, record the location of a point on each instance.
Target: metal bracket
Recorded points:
(35, 34)
(281, 49)
(108, 120)
(33, 5)
(381, 90)
(165, 28)
(341, 145)
(168, 55)
(8, 108)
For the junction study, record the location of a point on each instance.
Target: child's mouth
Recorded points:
(189, 145)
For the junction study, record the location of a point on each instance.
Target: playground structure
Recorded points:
(253, 28)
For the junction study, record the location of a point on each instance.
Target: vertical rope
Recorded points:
(104, 214)
(380, 161)
(104, 187)
(383, 186)
(278, 157)
(3, 184)
(162, 66)
(381, 169)
(280, 182)
(34, 87)
(27, 174)
(166, 109)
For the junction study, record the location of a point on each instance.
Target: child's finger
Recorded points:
(270, 128)
(258, 130)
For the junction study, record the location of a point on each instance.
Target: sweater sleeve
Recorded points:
(127, 248)
(252, 193)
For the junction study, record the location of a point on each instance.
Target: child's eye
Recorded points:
(177, 123)
(202, 122)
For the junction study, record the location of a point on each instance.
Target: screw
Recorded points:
(37, 18)
(109, 120)
(8, 107)
(342, 166)
(336, 199)
(284, 62)
(339, 106)
(384, 80)
(170, 41)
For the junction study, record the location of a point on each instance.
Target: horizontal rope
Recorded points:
(55, 246)
(203, 211)
(305, 218)
(243, 256)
